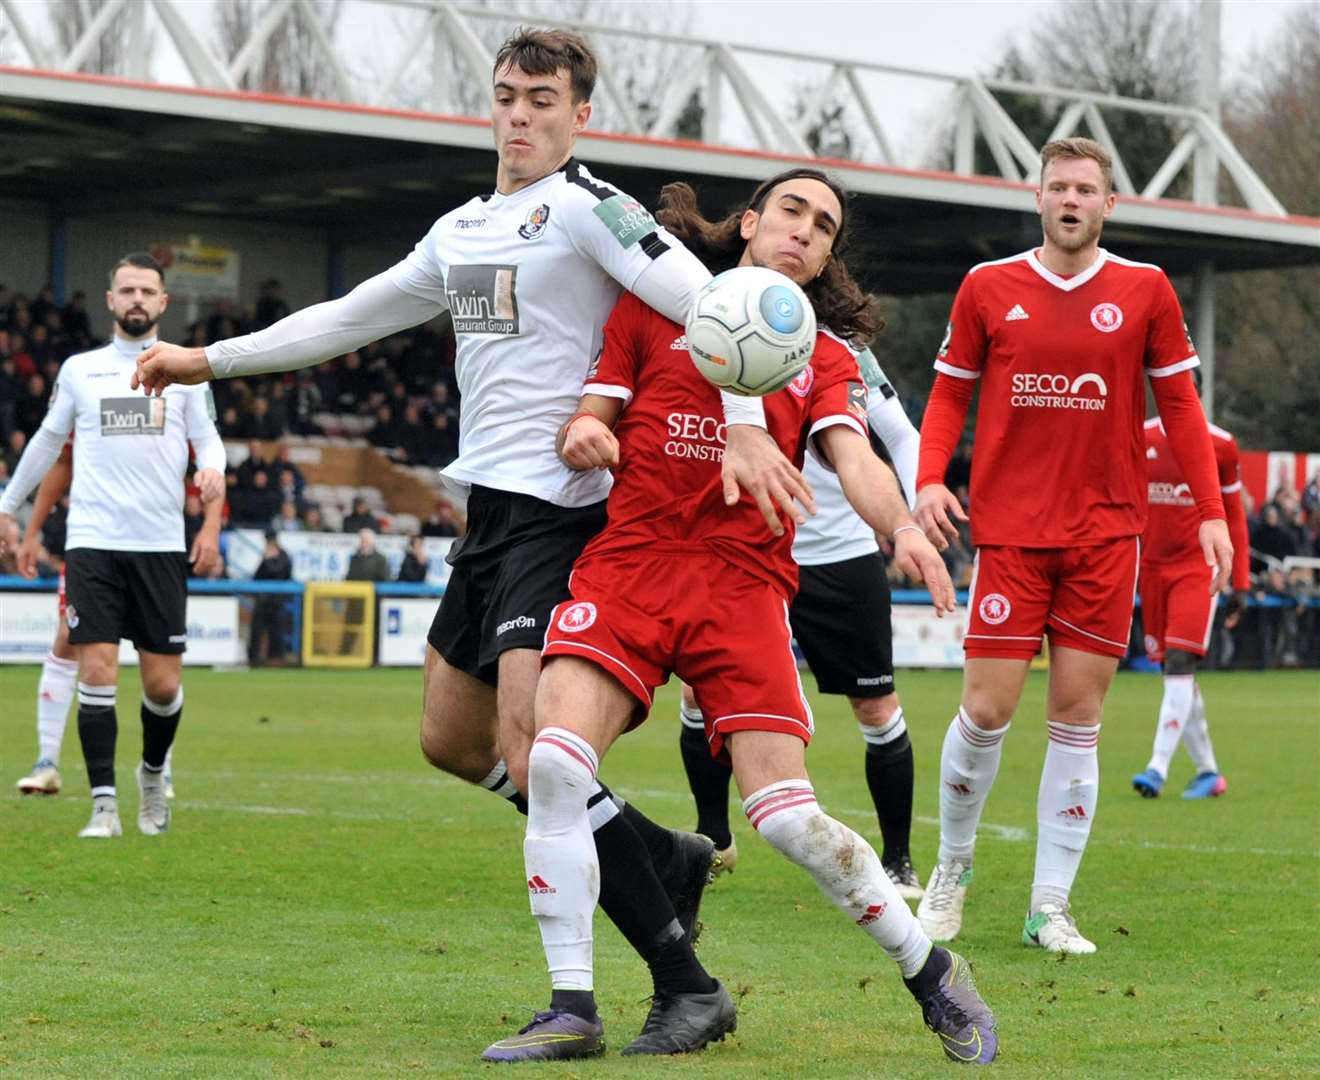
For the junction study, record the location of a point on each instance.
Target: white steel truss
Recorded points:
(449, 45)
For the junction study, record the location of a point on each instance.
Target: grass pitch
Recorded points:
(327, 905)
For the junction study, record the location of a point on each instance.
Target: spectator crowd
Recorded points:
(401, 395)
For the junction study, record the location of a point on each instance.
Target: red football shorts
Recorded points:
(1081, 596)
(643, 617)
(1177, 607)
(63, 601)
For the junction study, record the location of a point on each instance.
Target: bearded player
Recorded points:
(1060, 338)
(659, 591)
(1177, 611)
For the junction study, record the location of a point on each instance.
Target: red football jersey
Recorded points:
(1173, 524)
(1057, 459)
(667, 494)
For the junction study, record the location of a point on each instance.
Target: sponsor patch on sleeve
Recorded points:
(873, 375)
(627, 219)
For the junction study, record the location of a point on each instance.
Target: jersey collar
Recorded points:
(129, 349)
(497, 197)
(1071, 283)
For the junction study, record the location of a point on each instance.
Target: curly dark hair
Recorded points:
(839, 301)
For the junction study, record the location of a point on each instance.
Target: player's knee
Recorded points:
(1178, 662)
(1082, 712)
(468, 754)
(876, 712)
(161, 689)
(988, 712)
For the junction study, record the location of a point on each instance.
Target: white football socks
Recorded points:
(969, 762)
(844, 865)
(54, 696)
(1196, 737)
(563, 872)
(1065, 808)
(1175, 716)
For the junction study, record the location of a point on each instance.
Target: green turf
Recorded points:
(326, 905)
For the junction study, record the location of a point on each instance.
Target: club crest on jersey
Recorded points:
(1106, 317)
(802, 382)
(577, 617)
(994, 608)
(537, 219)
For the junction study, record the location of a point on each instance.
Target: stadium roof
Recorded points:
(80, 144)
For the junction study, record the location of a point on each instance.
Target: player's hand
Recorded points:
(1236, 607)
(164, 364)
(754, 464)
(27, 554)
(211, 483)
(935, 505)
(589, 444)
(5, 521)
(205, 554)
(1218, 551)
(916, 556)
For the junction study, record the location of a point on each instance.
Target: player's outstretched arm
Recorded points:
(164, 365)
(375, 309)
(586, 440)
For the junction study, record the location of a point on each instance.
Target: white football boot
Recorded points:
(153, 809)
(43, 780)
(940, 910)
(1053, 929)
(105, 819)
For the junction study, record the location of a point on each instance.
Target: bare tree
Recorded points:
(111, 53)
(290, 61)
(1269, 322)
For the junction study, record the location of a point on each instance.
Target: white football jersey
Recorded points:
(130, 452)
(837, 532)
(529, 280)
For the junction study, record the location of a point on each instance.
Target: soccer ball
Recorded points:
(751, 331)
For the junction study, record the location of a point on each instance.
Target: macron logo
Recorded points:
(537, 884)
(522, 622)
(1015, 313)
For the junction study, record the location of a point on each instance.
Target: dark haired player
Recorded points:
(656, 594)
